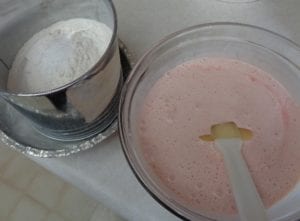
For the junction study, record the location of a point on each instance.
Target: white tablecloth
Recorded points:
(102, 171)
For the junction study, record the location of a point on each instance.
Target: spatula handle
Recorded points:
(247, 199)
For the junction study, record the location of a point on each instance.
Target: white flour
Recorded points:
(58, 55)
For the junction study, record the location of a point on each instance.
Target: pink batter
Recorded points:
(183, 105)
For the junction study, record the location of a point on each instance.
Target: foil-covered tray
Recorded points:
(17, 132)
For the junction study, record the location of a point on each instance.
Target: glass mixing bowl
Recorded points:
(262, 48)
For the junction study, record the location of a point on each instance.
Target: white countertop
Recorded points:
(103, 171)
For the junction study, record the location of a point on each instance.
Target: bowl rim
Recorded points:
(124, 96)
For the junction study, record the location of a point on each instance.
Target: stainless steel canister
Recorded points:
(81, 108)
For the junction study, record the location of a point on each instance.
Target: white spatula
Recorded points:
(228, 140)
